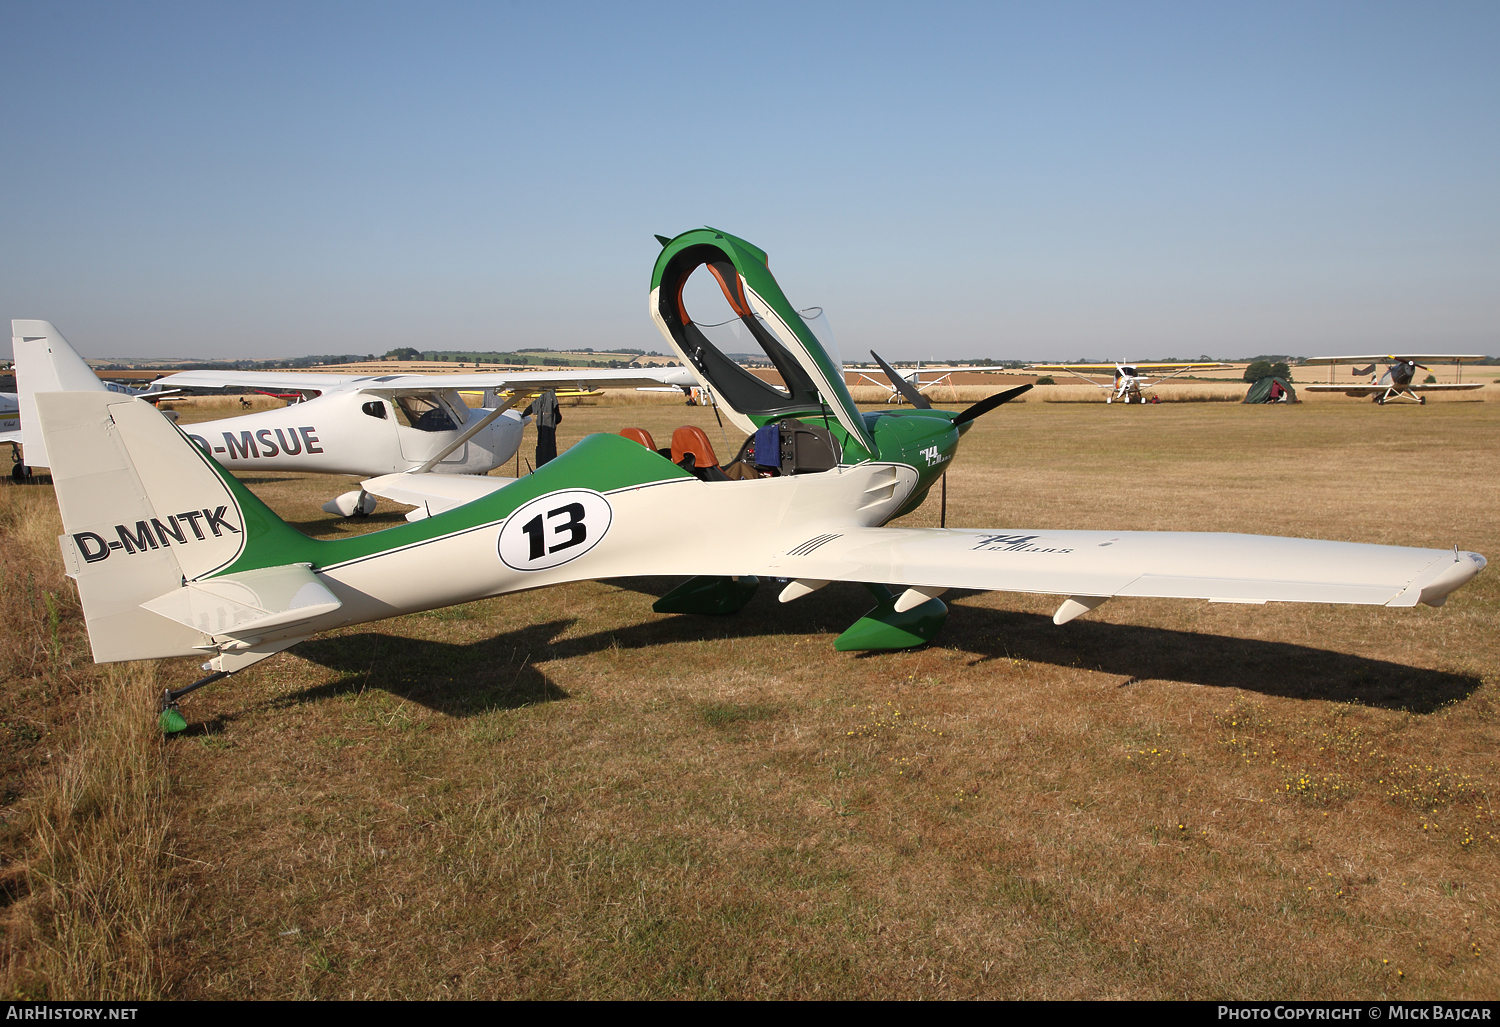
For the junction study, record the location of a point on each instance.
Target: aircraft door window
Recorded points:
(375, 408)
(424, 411)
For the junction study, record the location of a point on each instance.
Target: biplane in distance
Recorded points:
(1397, 382)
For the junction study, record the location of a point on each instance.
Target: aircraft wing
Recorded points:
(1110, 368)
(1385, 358)
(1371, 390)
(938, 370)
(1181, 565)
(10, 436)
(585, 378)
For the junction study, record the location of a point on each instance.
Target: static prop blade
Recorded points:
(984, 406)
(913, 396)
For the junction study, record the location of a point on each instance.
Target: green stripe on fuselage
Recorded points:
(600, 462)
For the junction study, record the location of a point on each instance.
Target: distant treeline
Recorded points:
(532, 355)
(977, 362)
(242, 365)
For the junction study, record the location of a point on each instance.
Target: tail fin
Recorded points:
(45, 363)
(144, 513)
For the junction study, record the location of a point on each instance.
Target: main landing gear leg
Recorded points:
(19, 473)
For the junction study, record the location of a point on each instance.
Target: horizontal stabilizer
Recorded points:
(249, 604)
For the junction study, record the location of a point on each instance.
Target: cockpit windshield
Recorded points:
(817, 320)
(424, 411)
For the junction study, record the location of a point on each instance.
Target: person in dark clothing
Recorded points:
(547, 415)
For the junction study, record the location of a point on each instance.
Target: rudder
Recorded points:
(143, 512)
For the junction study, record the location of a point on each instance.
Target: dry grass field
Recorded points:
(563, 794)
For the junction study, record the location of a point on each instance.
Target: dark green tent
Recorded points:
(1271, 390)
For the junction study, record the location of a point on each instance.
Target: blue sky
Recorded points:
(1005, 180)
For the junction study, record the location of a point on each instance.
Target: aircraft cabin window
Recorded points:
(424, 412)
(375, 409)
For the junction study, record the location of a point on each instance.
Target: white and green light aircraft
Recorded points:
(174, 557)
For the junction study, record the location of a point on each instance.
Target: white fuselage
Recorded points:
(678, 526)
(353, 431)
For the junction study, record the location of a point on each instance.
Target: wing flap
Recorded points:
(1180, 565)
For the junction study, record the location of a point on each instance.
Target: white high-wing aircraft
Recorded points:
(1129, 379)
(1396, 382)
(175, 557)
(364, 425)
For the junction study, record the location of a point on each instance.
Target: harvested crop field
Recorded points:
(561, 794)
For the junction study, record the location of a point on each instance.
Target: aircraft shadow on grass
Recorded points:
(267, 479)
(464, 679)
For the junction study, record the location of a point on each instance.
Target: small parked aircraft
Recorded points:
(363, 425)
(920, 379)
(1129, 379)
(175, 557)
(10, 417)
(37, 371)
(1396, 382)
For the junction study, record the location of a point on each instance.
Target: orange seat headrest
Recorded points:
(691, 439)
(640, 435)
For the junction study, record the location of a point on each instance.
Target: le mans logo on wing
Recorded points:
(193, 525)
(549, 531)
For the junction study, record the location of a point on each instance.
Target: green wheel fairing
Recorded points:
(600, 462)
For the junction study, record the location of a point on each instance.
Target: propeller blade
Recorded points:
(984, 406)
(913, 396)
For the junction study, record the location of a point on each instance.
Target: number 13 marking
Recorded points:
(551, 530)
(576, 529)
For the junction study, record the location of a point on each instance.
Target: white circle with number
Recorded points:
(550, 531)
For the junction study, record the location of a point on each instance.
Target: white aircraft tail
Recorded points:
(144, 514)
(45, 363)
